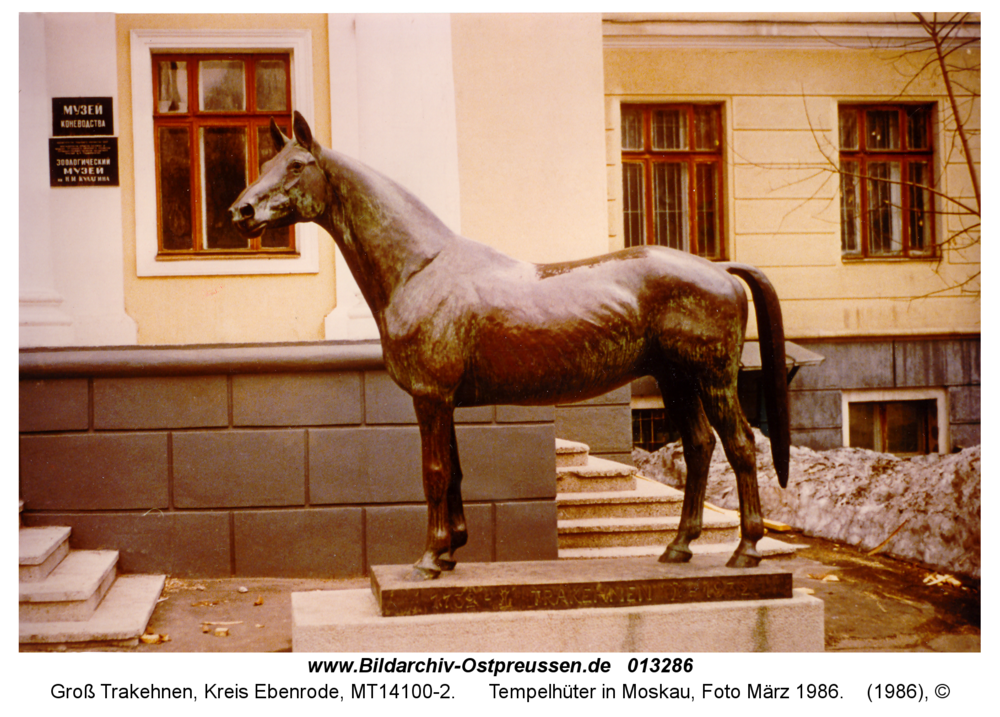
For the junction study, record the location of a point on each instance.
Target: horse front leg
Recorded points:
(456, 513)
(436, 420)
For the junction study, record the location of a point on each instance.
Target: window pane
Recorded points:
(631, 128)
(848, 129)
(884, 208)
(223, 87)
(224, 176)
(670, 129)
(917, 123)
(883, 129)
(670, 205)
(920, 207)
(633, 198)
(706, 135)
(650, 429)
(850, 208)
(272, 85)
(901, 427)
(707, 206)
(864, 426)
(906, 427)
(172, 89)
(174, 151)
(280, 238)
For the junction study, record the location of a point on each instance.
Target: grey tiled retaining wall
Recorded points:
(951, 364)
(272, 460)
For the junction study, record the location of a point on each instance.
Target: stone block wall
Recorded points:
(272, 460)
(603, 423)
(949, 364)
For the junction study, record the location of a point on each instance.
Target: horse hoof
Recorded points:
(744, 560)
(446, 564)
(675, 555)
(419, 574)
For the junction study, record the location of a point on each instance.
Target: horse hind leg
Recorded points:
(727, 417)
(686, 411)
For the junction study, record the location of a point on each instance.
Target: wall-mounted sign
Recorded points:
(83, 161)
(77, 116)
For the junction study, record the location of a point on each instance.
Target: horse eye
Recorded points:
(296, 166)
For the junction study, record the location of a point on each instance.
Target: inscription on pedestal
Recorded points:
(569, 585)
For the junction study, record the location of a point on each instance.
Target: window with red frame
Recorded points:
(211, 121)
(672, 177)
(886, 181)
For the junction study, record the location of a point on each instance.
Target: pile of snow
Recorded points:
(925, 509)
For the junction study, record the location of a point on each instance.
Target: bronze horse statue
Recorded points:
(464, 325)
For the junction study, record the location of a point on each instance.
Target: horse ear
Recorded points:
(279, 138)
(302, 132)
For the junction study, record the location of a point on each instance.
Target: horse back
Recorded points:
(494, 330)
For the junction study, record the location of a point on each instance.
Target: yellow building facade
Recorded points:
(510, 127)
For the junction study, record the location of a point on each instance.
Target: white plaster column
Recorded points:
(41, 318)
(392, 97)
(72, 259)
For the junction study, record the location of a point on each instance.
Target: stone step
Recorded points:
(768, 547)
(648, 530)
(40, 550)
(571, 453)
(120, 618)
(72, 591)
(598, 475)
(649, 498)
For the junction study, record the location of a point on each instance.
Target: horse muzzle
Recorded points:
(244, 218)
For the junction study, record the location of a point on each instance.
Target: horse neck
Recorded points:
(385, 233)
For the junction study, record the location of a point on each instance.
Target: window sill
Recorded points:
(240, 256)
(153, 264)
(888, 259)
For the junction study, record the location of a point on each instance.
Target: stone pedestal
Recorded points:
(565, 606)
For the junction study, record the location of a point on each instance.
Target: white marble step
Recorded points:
(571, 453)
(72, 591)
(40, 550)
(768, 547)
(644, 530)
(598, 474)
(120, 618)
(647, 499)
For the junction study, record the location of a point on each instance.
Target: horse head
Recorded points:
(292, 186)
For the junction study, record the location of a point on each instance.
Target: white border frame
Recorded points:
(143, 44)
(940, 396)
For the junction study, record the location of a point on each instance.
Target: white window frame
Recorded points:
(144, 43)
(939, 395)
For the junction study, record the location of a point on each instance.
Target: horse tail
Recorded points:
(772, 354)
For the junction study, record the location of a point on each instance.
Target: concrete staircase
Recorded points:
(76, 596)
(606, 509)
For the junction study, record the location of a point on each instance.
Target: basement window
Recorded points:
(904, 426)
(650, 429)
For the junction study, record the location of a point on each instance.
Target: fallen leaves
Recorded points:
(937, 579)
(219, 629)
